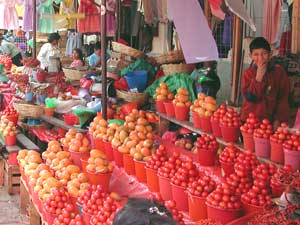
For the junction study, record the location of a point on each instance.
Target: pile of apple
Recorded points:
(264, 130)
(239, 184)
(98, 163)
(158, 158)
(204, 105)
(251, 124)
(171, 166)
(245, 163)
(177, 215)
(202, 187)
(75, 141)
(184, 143)
(281, 134)
(162, 93)
(68, 218)
(57, 201)
(207, 142)
(293, 143)
(7, 128)
(182, 98)
(120, 136)
(229, 154)
(219, 113)
(10, 112)
(224, 197)
(77, 184)
(98, 128)
(230, 119)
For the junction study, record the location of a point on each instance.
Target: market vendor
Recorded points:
(78, 60)
(48, 50)
(11, 50)
(265, 87)
(95, 58)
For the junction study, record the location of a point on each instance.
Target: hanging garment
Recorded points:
(8, 14)
(162, 11)
(215, 6)
(74, 41)
(255, 10)
(91, 23)
(28, 15)
(150, 11)
(284, 23)
(227, 31)
(285, 43)
(271, 20)
(20, 8)
(45, 11)
(68, 7)
(110, 18)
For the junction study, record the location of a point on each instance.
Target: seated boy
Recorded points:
(265, 87)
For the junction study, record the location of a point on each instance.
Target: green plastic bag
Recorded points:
(51, 102)
(174, 81)
(119, 122)
(140, 64)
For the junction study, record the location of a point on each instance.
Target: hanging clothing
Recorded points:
(110, 18)
(74, 41)
(284, 23)
(162, 11)
(8, 14)
(68, 7)
(255, 9)
(28, 15)
(45, 9)
(91, 23)
(285, 43)
(150, 12)
(227, 32)
(271, 20)
(215, 6)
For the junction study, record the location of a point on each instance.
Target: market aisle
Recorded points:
(9, 209)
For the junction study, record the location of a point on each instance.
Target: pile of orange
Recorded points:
(162, 93)
(110, 132)
(204, 105)
(182, 98)
(75, 141)
(98, 163)
(98, 128)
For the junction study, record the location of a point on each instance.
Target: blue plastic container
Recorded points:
(137, 79)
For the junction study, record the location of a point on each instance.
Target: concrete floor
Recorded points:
(9, 209)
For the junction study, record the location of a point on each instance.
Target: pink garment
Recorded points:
(110, 18)
(215, 6)
(271, 20)
(76, 63)
(91, 23)
(8, 14)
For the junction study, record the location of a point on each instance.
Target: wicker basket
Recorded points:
(177, 68)
(74, 74)
(117, 47)
(25, 109)
(170, 57)
(132, 97)
(66, 61)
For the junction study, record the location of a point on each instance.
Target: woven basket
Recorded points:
(28, 110)
(66, 60)
(177, 68)
(117, 47)
(132, 97)
(74, 74)
(170, 57)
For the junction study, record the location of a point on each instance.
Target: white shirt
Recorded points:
(46, 51)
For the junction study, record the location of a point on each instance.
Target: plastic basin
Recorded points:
(49, 217)
(108, 150)
(230, 134)
(70, 119)
(160, 107)
(181, 112)
(99, 144)
(216, 129)
(127, 108)
(292, 158)
(180, 196)
(248, 142)
(249, 208)
(277, 154)
(100, 179)
(128, 164)
(196, 120)
(197, 207)
(169, 107)
(137, 79)
(84, 163)
(118, 157)
(223, 215)
(165, 188)
(10, 140)
(206, 124)
(76, 156)
(207, 157)
(140, 171)
(152, 180)
(262, 147)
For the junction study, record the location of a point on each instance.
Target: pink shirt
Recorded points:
(77, 63)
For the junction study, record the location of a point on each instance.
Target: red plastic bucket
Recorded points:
(118, 157)
(197, 207)
(230, 134)
(165, 188)
(10, 140)
(49, 217)
(152, 180)
(13, 119)
(223, 215)
(129, 164)
(181, 112)
(76, 156)
(169, 107)
(160, 107)
(84, 163)
(262, 147)
(249, 208)
(70, 119)
(277, 191)
(87, 218)
(205, 124)
(196, 120)
(277, 154)
(292, 158)
(207, 157)
(180, 196)
(228, 168)
(99, 144)
(216, 129)
(248, 142)
(140, 171)
(127, 108)
(100, 179)
(108, 150)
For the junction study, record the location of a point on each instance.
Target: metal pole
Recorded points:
(103, 59)
(34, 29)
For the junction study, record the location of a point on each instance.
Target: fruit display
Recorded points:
(207, 142)
(68, 218)
(282, 178)
(98, 163)
(77, 184)
(293, 143)
(251, 124)
(264, 130)
(98, 128)
(229, 154)
(158, 158)
(120, 136)
(110, 132)
(75, 141)
(6, 61)
(204, 105)
(224, 197)
(184, 143)
(30, 62)
(230, 119)
(177, 215)
(219, 113)
(182, 98)
(281, 134)
(9, 112)
(171, 166)
(245, 163)
(57, 202)
(241, 184)
(162, 93)
(7, 127)
(202, 187)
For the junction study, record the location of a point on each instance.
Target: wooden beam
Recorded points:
(296, 27)
(34, 29)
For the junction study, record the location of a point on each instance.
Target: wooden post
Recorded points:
(118, 25)
(237, 54)
(296, 27)
(103, 59)
(34, 29)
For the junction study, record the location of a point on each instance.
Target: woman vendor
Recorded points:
(12, 51)
(48, 50)
(265, 87)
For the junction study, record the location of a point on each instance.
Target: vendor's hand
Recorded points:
(261, 71)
